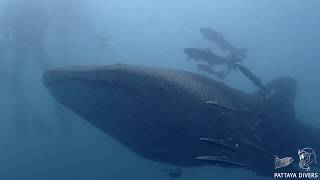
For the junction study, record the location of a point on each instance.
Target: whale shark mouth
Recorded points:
(108, 97)
(141, 110)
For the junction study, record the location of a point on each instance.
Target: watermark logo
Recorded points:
(283, 162)
(307, 157)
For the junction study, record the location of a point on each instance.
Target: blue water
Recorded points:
(283, 37)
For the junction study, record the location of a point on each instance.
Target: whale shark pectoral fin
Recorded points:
(221, 160)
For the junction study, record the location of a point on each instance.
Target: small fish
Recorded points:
(258, 120)
(225, 107)
(221, 160)
(103, 38)
(173, 173)
(220, 143)
(103, 41)
(103, 44)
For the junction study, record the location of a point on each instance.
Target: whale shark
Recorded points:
(185, 119)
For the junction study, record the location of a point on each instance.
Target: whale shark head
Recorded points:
(158, 113)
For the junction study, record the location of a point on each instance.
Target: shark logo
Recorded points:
(307, 157)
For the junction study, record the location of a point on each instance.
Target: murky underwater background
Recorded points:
(283, 37)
